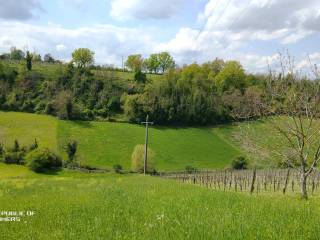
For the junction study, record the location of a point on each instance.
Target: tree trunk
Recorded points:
(303, 185)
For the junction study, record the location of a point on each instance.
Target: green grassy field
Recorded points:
(26, 127)
(104, 144)
(75, 205)
(258, 140)
(174, 148)
(108, 206)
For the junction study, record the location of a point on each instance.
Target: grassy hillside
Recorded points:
(104, 144)
(49, 70)
(26, 127)
(259, 140)
(106, 206)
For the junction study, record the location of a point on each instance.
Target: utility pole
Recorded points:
(146, 145)
(122, 64)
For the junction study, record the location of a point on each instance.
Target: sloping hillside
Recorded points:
(104, 144)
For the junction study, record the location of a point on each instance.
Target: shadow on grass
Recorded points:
(83, 124)
(50, 172)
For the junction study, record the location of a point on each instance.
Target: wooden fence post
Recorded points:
(286, 182)
(253, 180)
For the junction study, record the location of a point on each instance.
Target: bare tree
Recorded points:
(247, 105)
(300, 103)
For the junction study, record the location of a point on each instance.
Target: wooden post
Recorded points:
(253, 181)
(286, 182)
(145, 164)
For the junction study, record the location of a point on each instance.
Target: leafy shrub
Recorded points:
(49, 109)
(64, 105)
(16, 146)
(13, 158)
(117, 168)
(137, 159)
(40, 107)
(2, 151)
(43, 159)
(190, 169)
(71, 150)
(239, 163)
(140, 76)
(34, 145)
(15, 154)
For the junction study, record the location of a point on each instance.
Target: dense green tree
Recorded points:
(213, 68)
(182, 97)
(152, 63)
(82, 57)
(165, 61)
(231, 76)
(134, 62)
(48, 58)
(29, 58)
(140, 77)
(64, 105)
(71, 150)
(16, 54)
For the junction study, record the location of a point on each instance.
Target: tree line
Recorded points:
(155, 63)
(217, 91)
(16, 54)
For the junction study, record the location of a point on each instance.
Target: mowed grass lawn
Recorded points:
(103, 144)
(107, 206)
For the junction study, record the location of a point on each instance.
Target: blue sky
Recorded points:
(251, 31)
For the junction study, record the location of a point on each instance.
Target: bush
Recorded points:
(14, 154)
(190, 169)
(140, 77)
(34, 145)
(137, 159)
(2, 151)
(239, 163)
(64, 105)
(117, 168)
(16, 146)
(13, 158)
(49, 109)
(41, 160)
(72, 149)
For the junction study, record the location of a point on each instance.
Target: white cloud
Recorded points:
(108, 42)
(309, 61)
(228, 31)
(144, 9)
(61, 47)
(18, 9)
(287, 20)
(229, 27)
